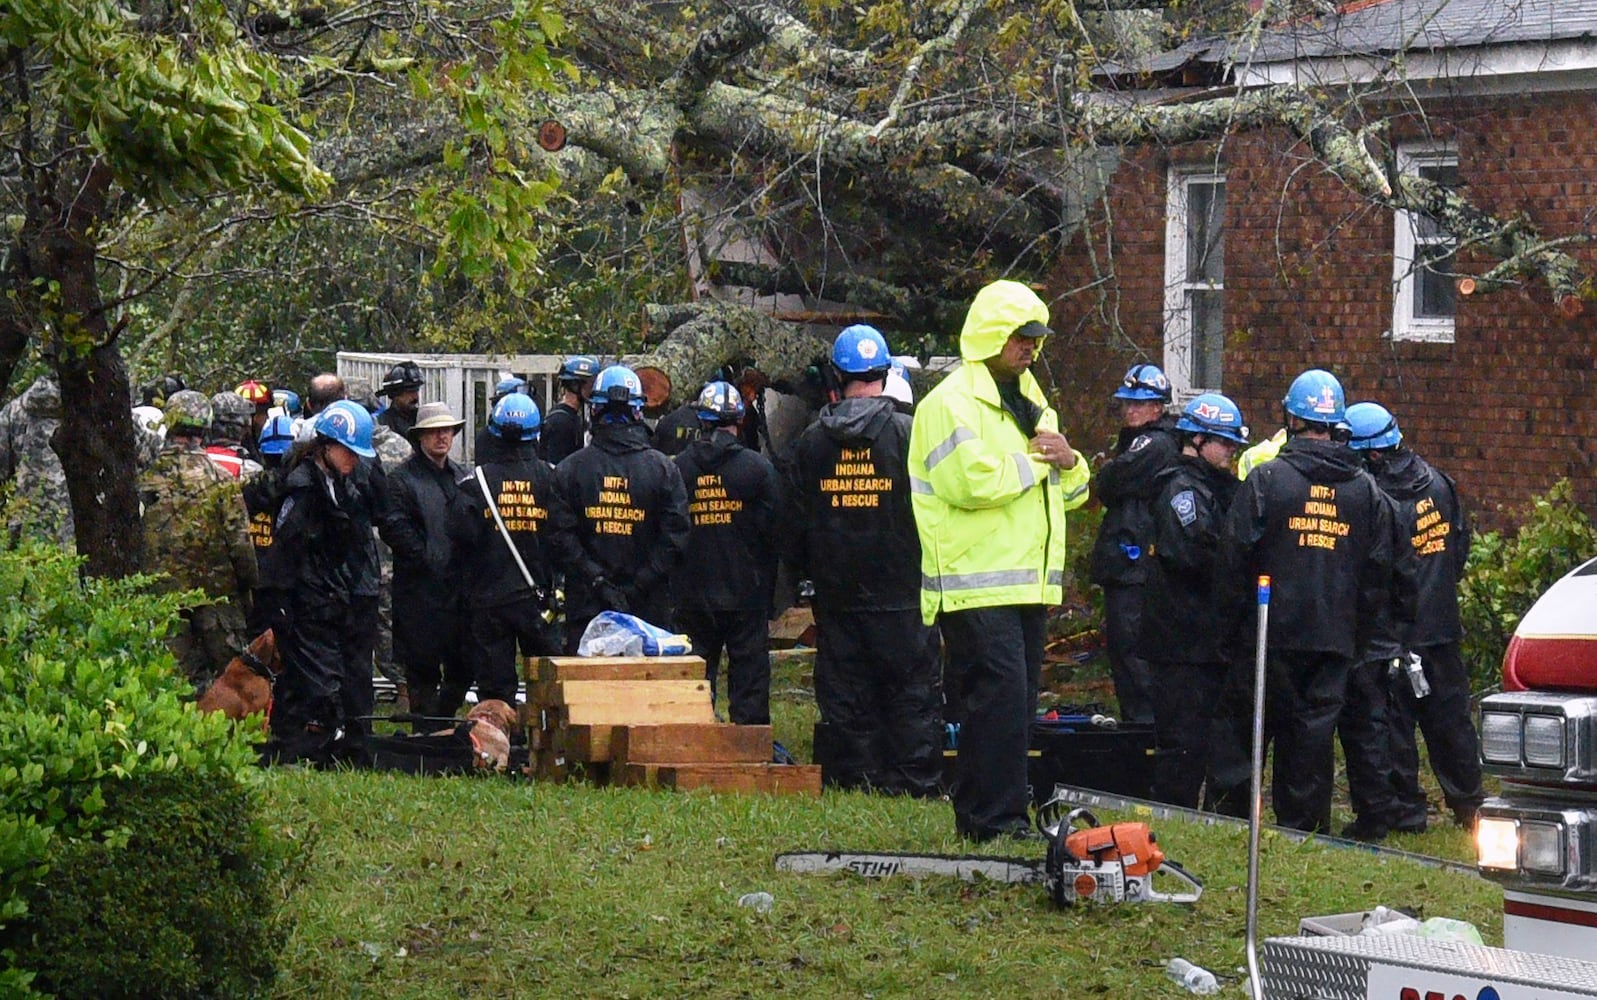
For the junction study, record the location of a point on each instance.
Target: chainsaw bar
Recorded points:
(967, 867)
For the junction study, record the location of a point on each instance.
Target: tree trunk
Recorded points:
(95, 438)
(723, 334)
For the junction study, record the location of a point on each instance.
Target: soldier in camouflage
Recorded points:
(232, 416)
(40, 503)
(197, 533)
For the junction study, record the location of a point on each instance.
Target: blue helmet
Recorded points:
(288, 399)
(861, 350)
(1373, 427)
(348, 424)
(617, 394)
(1316, 396)
(506, 386)
(515, 418)
(579, 368)
(1214, 414)
(720, 403)
(1144, 381)
(277, 435)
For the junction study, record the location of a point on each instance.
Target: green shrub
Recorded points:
(189, 899)
(94, 712)
(1504, 576)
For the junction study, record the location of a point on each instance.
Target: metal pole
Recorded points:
(1256, 804)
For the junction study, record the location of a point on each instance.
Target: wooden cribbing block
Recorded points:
(775, 779)
(686, 743)
(631, 702)
(549, 669)
(588, 744)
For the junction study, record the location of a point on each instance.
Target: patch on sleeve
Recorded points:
(1140, 443)
(282, 512)
(1185, 506)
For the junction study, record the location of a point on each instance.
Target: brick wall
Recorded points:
(1507, 409)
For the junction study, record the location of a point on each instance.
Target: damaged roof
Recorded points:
(1372, 28)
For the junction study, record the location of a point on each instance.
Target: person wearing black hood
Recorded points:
(619, 512)
(1435, 693)
(506, 503)
(1316, 524)
(852, 532)
(723, 584)
(1126, 485)
(1186, 628)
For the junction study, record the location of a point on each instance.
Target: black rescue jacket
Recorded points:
(1315, 522)
(851, 529)
(561, 434)
(316, 545)
(1432, 524)
(521, 485)
(420, 508)
(730, 564)
(620, 515)
(1127, 486)
(1185, 619)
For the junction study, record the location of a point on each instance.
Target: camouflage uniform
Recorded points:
(40, 497)
(196, 532)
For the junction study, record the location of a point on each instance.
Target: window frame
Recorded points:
(1411, 157)
(1179, 333)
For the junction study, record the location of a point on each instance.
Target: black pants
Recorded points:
(429, 645)
(876, 684)
(745, 636)
(308, 692)
(1450, 738)
(1365, 730)
(356, 699)
(1304, 693)
(995, 665)
(495, 634)
(1185, 697)
(1122, 612)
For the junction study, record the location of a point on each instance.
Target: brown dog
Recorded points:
(494, 720)
(245, 687)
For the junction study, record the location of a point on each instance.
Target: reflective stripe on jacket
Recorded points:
(991, 519)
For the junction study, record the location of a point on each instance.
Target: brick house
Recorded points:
(1237, 264)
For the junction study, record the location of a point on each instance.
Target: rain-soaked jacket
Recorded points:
(991, 518)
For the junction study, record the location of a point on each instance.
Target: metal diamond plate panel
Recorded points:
(1337, 968)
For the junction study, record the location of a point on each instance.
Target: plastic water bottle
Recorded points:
(1416, 676)
(759, 902)
(1193, 978)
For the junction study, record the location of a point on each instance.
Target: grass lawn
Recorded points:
(470, 887)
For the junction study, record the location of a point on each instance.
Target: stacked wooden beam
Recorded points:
(646, 720)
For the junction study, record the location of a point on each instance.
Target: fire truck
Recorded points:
(1538, 839)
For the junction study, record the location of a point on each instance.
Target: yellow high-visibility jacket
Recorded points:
(991, 519)
(1260, 453)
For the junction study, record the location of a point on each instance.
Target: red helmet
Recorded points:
(256, 392)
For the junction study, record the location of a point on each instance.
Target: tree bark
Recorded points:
(725, 334)
(95, 438)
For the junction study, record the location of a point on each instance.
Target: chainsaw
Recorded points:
(1086, 862)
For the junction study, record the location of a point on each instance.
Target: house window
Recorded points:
(1194, 302)
(1424, 298)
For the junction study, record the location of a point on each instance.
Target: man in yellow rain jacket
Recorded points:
(991, 478)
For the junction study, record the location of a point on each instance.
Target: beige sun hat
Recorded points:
(434, 415)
